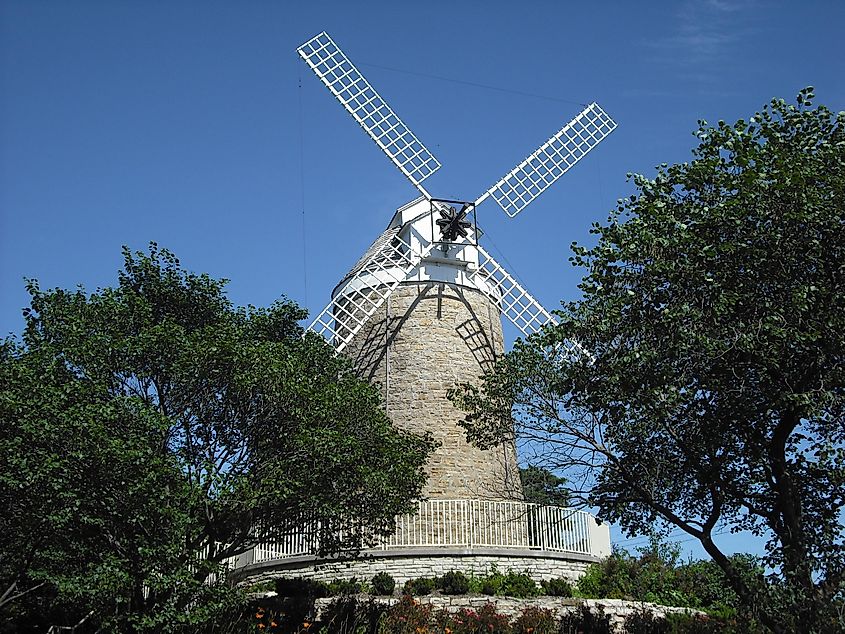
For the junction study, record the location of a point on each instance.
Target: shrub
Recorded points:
(301, 588)
(583, 620)
(485, 621)
(263, 586)
(348, 615)
(418, 587)
(646, 622)
(511, 584)
(342, 615)
(535, 620)
(518, 584)
(453, 582)
(407, 617)
(610, 578)
(296, 599)
(680, 623)
(491, 584)
(383, 584)
(558, 587)
(345, 587)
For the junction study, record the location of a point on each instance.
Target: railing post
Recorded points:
(471, 516)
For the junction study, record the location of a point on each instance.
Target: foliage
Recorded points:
(349, 615)
(159, 430)
(296, 601)
(485, 620)
(706, 389)
(344, 587)
(540, 486)
(557, 587)
(535, 620)
(407, 617)
(511, 584)
(383, 584)
(585, 620)
(645, 621)
(681, 623)
(418, 587)
(301, 587)
(268, 621)
(657, 576)
(453, 582)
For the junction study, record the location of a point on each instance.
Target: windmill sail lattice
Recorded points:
(519, 187)
(390, 260)
(516, 303)
(367, 107)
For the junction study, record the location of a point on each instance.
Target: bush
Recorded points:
(646, 622)
(558, 587)
(535, 620)
(407, 617)
(296, 601)
(348, 615)
(418, 587)
(656, 576)
(301, 588)
(511, 584)
(486, 621)
(345, 587)
(453, 582)
(583, 620)
(383, 584)
(518, 584)
(610, 578)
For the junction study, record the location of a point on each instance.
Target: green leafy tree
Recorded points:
(541, 486)
(153, 431)
(706, 391)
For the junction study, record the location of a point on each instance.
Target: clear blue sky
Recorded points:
(184, 123)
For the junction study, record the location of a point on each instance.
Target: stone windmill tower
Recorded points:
(421, 310)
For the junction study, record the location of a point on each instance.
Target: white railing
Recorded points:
(465, 524)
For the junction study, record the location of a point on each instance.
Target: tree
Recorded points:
(540, 486)
(75, 496)
(160, 431)
(706, 390)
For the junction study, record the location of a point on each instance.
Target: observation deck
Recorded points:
(466, 535)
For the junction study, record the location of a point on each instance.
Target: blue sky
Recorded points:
(195, 125)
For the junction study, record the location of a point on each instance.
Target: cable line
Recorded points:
(302, 193)
(475, 84)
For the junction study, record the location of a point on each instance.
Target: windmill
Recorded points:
(421, 310)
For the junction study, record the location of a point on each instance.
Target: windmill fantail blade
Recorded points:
(519, 187)
(367, 107)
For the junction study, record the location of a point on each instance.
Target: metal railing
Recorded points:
(464, 524)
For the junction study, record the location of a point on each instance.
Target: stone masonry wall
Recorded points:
(411, 565)
(617, 609)
(427, 338)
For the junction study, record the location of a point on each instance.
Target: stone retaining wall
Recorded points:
(422, 562)
(512, 607)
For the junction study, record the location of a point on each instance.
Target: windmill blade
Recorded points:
(517, 304)
(386, 264)
(551, 160)
(367, 107)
